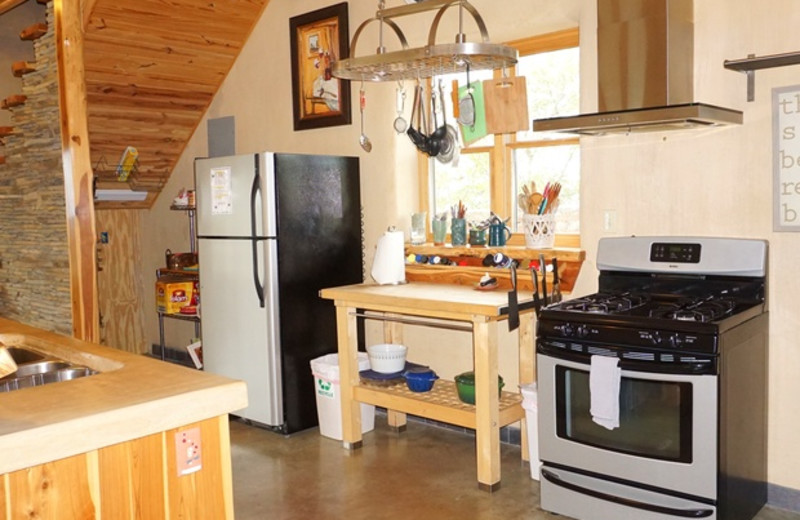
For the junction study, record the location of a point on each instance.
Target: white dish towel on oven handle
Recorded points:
(604, 383)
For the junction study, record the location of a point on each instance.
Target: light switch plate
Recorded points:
(187, 451)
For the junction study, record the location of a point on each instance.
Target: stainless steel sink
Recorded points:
(36, 368)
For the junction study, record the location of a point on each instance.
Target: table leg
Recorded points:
(393, 333)
(527, 369)
(347, 338)
(487, 404)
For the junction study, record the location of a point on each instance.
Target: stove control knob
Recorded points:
(566, 330)
(655, 338)
(676, 340)
(582, 331)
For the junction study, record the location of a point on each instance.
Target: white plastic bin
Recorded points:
(530, 402)
(329, 404)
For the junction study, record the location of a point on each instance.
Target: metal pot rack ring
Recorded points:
(427, 61)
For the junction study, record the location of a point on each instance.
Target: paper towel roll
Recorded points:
(388, 266)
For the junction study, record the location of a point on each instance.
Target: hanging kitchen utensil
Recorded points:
(477, 130)
(466, 104)
(543, 270)
(400, 124)
(364, 141)
(513, 306)
(415, 134)
(506, 105)
(438, 133)
(556, 284)
(450, 150)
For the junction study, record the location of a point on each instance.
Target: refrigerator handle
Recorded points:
(254, 191)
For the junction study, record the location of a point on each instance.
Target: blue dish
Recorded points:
(420, 380)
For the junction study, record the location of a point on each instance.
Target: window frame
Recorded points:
(501, 174)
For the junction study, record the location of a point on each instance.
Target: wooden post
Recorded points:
(76, 161)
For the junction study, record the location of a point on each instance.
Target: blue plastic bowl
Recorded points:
(420, 380)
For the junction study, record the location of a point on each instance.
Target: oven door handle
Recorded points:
(681, 513)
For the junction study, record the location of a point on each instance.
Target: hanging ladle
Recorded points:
(436, 138)
(364, 141)
(400, 124)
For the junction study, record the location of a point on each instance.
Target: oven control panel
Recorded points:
(675, 253)
(640, 337)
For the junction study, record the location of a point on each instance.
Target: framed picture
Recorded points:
(318, 40)
(786, 158)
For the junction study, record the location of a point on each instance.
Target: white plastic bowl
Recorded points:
(387, 358)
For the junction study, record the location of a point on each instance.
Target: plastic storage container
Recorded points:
(329, 400)
(530, 402)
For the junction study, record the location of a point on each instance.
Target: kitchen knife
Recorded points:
(556, 284)
(535, 278)
(543, 270)
(513, 307)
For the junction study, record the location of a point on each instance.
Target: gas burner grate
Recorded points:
(602, 303)
(702, 310)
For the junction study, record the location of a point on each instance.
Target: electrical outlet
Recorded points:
(610, 220)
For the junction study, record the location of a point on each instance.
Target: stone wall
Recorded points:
(34, 255)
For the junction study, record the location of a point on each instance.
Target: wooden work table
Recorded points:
(438, 305)
(109, 442)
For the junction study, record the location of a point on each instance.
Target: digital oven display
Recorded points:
(676, 253)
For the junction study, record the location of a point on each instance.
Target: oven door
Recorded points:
(667, 437)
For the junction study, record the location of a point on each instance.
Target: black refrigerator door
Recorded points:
(319, 246)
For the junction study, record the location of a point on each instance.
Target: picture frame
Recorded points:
(319, 39)
(195, 351)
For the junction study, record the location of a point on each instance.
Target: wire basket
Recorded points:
(540, 230)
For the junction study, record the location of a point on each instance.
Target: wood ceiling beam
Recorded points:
(78, 177)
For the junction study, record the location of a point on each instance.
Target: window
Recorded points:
(490, 172)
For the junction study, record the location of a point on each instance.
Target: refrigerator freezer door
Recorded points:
(240, 338)
(235, 196)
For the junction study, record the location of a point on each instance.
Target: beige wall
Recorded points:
(687, 183)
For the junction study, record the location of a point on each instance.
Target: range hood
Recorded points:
(645, 63)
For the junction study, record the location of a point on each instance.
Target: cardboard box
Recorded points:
(171, 295)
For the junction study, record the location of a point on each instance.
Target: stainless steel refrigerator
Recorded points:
(273, 229)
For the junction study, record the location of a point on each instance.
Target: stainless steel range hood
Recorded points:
(645, 63)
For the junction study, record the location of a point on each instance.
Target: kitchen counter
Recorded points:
(133, 396)
(446, 306)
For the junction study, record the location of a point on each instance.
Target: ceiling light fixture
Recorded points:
(430, 60)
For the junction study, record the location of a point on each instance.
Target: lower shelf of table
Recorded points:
(440, 404)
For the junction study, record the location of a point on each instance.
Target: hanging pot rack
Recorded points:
(430, 60)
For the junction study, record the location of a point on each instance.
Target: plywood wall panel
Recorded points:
(120, 281)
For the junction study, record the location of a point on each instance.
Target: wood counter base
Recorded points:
(134, 479)
(114, 445)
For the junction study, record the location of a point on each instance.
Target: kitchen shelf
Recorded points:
(441, 403)
(753, 63)
(570, 261)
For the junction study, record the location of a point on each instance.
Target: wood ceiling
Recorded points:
(152, 68)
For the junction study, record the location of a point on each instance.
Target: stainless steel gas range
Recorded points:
(674, 347)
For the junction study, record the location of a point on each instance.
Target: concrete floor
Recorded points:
(426, 472)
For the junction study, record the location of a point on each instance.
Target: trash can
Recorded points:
(329, 404)
(530, 404)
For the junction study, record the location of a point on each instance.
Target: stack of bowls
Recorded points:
(387, 358)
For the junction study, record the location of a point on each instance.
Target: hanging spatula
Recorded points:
(513, 307)
(7, 363)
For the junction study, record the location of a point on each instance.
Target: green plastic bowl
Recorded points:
(465, 385)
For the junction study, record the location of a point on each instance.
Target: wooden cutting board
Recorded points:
(506, 105)
(7, 364)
